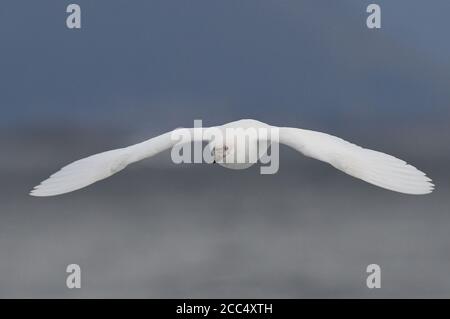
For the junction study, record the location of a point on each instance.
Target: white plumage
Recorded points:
(371, 166)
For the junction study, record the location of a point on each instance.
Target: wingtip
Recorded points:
(41, 191)
(428, 188)
(35, 192)
(431, 187)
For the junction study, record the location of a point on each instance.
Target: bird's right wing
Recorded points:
(91, 169)
(371, 166)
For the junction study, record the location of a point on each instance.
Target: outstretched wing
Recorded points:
(371, 166)
(91, 169)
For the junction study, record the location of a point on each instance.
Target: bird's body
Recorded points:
(371, 166)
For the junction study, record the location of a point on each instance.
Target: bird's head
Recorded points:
(236, 151)
(223, 153)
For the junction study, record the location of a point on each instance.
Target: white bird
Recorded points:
(374, 167)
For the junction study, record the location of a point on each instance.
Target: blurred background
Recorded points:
(137, 69)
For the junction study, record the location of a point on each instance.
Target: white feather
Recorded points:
(371, 166)
(91, 169)
(83, 172)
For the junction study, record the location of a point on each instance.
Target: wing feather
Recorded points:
(91, 169)
(374, 167)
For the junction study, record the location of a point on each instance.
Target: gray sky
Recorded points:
(164, 63)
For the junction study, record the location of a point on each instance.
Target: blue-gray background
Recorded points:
(139, 68)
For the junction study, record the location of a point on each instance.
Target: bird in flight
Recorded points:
(374, 167)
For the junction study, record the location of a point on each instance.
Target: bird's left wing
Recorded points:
(371, 166)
